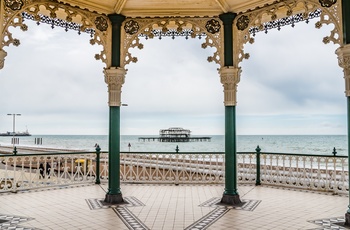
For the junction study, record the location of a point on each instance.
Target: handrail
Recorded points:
(306, 171)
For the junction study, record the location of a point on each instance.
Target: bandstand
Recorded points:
(225, 25)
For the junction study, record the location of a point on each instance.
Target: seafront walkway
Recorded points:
(171, 191)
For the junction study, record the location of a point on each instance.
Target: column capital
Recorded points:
(116, 19)
(343, 53)
(227, 18)
(115, 78)
(230, 77)
(3, 54)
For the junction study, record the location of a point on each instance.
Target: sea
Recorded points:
(297, 144)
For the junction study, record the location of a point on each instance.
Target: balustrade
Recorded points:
(313, 172)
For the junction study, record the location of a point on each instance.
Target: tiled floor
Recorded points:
(171, 207)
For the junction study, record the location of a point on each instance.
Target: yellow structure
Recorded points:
(226, 25)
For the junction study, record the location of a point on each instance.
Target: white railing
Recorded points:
(22, 172)
(321, 173)
(172, 168)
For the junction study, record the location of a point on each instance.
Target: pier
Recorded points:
(175, 134)
(175, 139)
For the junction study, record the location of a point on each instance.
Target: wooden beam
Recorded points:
(119, 6)
(223, 5)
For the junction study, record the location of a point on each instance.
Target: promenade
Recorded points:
(156, 206)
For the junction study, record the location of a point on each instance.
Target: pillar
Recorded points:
(230, 77)
(114, 77)
(343, 53)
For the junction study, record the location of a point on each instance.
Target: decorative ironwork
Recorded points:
(16, 42)
(58, 22)
(213, 26)
(283, 11)
(242, 22)
(187, 33)
(149, 28)
(327, 3)
(312, 172)
(14, 4)
(291, 20)
(131, 27)
(101, 23)
(37, 171)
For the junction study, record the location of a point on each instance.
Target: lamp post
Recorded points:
(14, 125)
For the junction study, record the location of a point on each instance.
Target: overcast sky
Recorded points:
(291, 84)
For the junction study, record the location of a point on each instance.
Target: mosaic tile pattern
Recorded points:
(219, 211)
(100, 204)
(331, 223)
(208, 219)
(129, 219)
(173, 207)
(247, 205)
(12, 222)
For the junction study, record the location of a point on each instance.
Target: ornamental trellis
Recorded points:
(285, 13)
(207, 28)
(15, 12)
(98, 26)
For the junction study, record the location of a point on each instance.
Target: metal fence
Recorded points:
(313, 172)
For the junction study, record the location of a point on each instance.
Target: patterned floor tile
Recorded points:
(129, 219)
(219, 211)
(330, 223)
(98, 203)
(247, 205)
(12, 222)
(208, 219)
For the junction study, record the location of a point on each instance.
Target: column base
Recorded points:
(114, 198)
(231, 199)
(347, 219)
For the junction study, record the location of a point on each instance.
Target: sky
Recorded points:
(290, 85)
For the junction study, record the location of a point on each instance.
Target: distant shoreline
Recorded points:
(155, 135)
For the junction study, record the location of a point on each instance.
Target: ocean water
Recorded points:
(300, 144)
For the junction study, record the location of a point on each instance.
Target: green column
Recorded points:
(114, 151)
(346, 21)
(230, 151)
(227, 20)
(114, 194)
(230, 195)
(346, 41)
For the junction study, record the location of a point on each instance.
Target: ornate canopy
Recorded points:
(159, 8)
(184, 17)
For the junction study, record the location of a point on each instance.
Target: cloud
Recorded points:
(291, 85)
(292, 72)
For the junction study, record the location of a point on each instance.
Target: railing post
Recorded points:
(98, 149)
(177, 166)
(334, 151)
(257, 181)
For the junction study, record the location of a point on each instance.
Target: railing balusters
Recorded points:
(315, 172)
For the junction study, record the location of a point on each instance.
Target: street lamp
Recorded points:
(14, 124)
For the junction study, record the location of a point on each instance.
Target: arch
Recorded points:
(210, 28)
(246, 24)
(56, 14)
